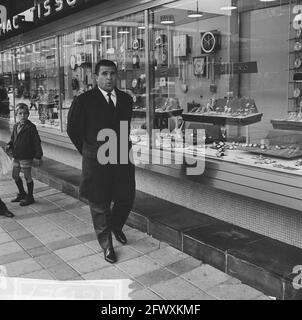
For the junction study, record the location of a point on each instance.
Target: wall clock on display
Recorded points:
(138, 44)
(135, 44)
(72, 62)
(160, 40)
(210, 42)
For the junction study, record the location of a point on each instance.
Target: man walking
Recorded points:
(104, 107)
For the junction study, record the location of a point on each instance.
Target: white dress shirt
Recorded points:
(113, 95)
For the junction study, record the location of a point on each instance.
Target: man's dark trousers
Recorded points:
(111, 213)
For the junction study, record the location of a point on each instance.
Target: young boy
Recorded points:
(25, 145)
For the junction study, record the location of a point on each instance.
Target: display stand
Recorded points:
(160, 117)
(287, 125)
(294, 119)
(222, 120)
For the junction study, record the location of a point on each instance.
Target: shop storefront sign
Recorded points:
(3, 14)
(41, 10)
(38, 13)
(236, 68)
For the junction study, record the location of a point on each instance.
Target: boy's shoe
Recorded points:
(5, 212)
(19, 197)
(27, 201)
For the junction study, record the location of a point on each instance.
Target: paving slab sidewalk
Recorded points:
(48, 241)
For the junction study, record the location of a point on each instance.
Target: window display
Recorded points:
(222, 76)
(293, 121)
(36, 82)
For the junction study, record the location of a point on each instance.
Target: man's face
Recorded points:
(106, 78)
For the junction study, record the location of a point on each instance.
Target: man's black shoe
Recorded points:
(6, 213)
(27, 201)
(19, 197)
(109, 255)
(120, 236)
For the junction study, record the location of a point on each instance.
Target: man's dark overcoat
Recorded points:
(90, 113)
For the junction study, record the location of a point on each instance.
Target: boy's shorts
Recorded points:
(23, 164)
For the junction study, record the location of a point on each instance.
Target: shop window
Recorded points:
(79, 54)
(36, 82)
(225, 70)
(120, 40)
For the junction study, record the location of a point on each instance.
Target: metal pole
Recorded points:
(149, 100)
(60, 87)
(13, 57)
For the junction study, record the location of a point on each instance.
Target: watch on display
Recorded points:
(298, 33)
(134, 83)
(297, 93)
(135, 61)
(72, 62)
(297, 63)
(164, 57)
(297, 46)
(122, 47)
(75, 85)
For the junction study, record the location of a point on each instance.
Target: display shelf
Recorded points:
(223, 119)
(158, 114)
(287, 125)
(283, 153)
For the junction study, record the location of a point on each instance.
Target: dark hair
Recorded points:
(106, 63)
(22, 106)
(2, 82)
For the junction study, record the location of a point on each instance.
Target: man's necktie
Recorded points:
(110, 102)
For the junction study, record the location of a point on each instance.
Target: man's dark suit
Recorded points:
(102, 184)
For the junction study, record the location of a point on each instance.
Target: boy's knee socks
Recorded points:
(19, 184)
(30, 188)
